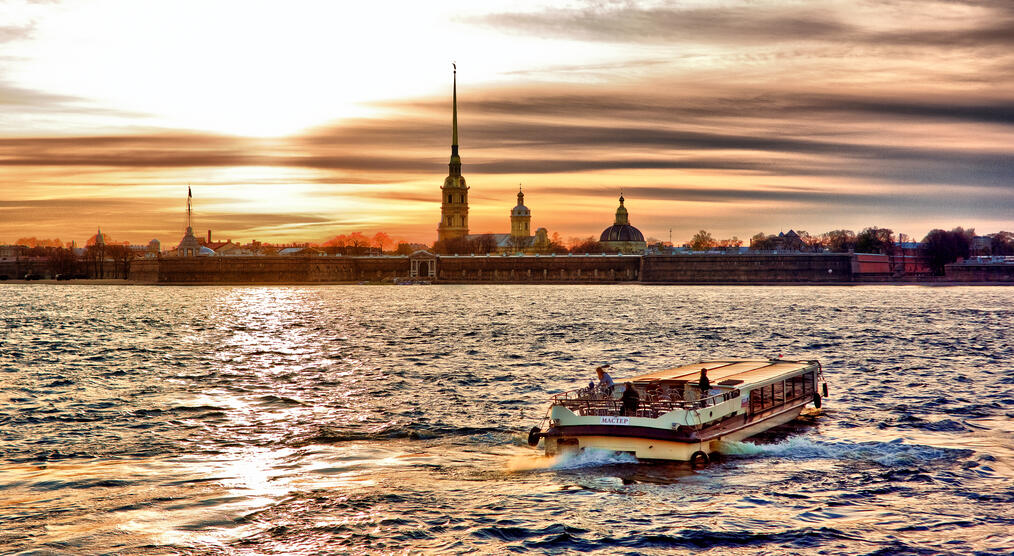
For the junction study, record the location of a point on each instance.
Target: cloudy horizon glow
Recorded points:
(300, 121)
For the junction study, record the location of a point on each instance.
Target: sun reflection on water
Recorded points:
(296, 420)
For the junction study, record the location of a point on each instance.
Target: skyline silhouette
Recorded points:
(745, 118)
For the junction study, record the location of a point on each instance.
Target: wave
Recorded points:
(889, 454)
(392, 431)
(284, 401)
(590, 457)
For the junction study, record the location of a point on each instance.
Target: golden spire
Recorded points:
(455, 165)
(454, 120)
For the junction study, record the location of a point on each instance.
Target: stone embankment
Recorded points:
(805, 268)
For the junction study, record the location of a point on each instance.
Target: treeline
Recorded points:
(359, 241)
(940, 247)
(95, 261)
(36, 242)
(870, 240)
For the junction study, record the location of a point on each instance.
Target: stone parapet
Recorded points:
(552, 269)
(816, 268)
(707, 268)
(267, 270)
(979, 272)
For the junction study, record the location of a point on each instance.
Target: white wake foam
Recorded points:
(892, 453)
(590, 457)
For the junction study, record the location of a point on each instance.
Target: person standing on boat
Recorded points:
(605, 381)
(704, 384)
(631, 399)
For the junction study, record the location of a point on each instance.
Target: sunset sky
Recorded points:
(297, 121)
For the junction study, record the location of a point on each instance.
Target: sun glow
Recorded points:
(299, 120)
(256, 69)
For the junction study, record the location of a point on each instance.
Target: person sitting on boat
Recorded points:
(605, 381)
(704, 384)
(631, 399)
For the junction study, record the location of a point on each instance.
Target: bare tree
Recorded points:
(702, 241)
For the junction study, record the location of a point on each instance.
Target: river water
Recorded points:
(391, 419)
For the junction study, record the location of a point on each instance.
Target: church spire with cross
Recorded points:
(454, 192)
(521, 217)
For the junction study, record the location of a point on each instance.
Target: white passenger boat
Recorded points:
(672, 419)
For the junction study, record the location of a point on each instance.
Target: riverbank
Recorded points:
(109, 282)
(78, 282)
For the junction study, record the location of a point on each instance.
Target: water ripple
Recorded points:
(302, 420)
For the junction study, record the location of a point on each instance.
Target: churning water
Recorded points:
(305, 420)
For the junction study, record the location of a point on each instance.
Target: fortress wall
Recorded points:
(462, 269)
(267, 270)
(543, 269)
(985, 272)
(733, 269)
(12, 269)
(144, 270)
(711, 269)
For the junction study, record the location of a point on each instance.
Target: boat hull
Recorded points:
(655, 445)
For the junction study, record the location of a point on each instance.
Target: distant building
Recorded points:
(540, 243)
(908, 258)
(11, 252)
(621, 236)
(520, 239)
(189, 246)
(982, 245)
(789, 241)
(521, 220)
(454, 192)
(407, 248)
(301, 252)
(230, 249)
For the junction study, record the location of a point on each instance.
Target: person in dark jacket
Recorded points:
(630, 399)
(704, 384)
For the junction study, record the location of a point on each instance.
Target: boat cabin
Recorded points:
(673, 418)
(762, 385)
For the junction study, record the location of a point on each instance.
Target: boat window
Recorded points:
(779, 392)
(761, 399)
(794, 387)
(808, 382)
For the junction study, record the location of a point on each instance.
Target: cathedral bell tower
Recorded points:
(521, 218)
(454, 192)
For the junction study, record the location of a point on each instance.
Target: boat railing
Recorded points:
(594, 401)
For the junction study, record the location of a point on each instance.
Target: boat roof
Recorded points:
(749, 371)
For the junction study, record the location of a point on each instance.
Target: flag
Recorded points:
(189, 195)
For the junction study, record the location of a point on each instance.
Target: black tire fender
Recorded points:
(699, 458)
(823, 389)
(816, 400)
(533, 436)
